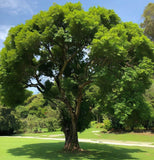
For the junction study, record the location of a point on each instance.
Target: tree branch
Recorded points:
(79, 98)
(38, 81)
(31, 85)
(34, 85)
(65, 64)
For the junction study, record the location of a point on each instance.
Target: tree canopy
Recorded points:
(148, 23)
(63, 50)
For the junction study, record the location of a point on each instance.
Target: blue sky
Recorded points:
(14, 12)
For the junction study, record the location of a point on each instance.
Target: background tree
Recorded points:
(94, 96)
(126, 75)
(148, 23)
(9, 123)
(63, 50)
(149, 96)
(37, 113)
(126, 104)
(148, 26)
(9, 120)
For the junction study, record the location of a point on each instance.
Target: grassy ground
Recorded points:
(26, 149)
(46, 134)
(139, 137)
(95, 133)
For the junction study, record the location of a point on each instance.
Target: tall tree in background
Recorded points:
(148, 23)
(62, 51)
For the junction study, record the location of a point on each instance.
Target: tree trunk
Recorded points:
(71, 136)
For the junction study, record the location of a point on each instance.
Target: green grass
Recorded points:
(46, 134)
(89, 134)
(26, 149)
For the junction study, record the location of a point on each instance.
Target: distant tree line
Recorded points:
(39, 115)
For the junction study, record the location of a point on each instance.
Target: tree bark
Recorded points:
(71, 136)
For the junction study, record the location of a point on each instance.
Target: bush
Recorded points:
(99, 125)
(107, 124)
(8, 121)
(93, 124)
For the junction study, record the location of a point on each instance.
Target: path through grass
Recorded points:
(139, 137)
(95, 133)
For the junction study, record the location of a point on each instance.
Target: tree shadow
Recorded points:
(51, 151)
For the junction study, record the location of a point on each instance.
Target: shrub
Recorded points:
(107, 124)
(8, 121)
(93, 124)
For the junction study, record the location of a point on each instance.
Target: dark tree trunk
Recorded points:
(71, 136)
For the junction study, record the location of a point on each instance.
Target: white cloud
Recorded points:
(3, 33)
(16, 6)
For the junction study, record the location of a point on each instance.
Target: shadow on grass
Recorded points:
(51, 151)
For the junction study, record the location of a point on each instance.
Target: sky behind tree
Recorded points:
(13, 12)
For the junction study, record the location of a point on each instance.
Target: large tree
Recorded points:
(148, 23)
(62, 51)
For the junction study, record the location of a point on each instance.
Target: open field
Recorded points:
(14, 148)
(36, 149)
(95, 133)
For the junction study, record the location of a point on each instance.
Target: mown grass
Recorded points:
(139, 137)
(26, 149)
(91, 134)
(45, 134)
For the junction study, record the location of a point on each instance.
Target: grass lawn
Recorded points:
(91, 134)
(139, 137)
(45, 134)
(26, 149)
(95, 133)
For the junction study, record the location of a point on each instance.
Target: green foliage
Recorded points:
(37, 114)
(63, 50)
(33, 123)
(148, 23)
(123, 74)
(120, 44)
(104, 127)
(8, 121)
(126, 103)
(45, 36)
(93, 124)
(106, 17)
(149, 96)
(85, 116)
(93, 94)
(107, 124)
(52, 120)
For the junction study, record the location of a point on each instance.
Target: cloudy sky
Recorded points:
(14, 12)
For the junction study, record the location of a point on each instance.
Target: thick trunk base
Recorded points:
(71, 135)
(72, 147)
(71, 142)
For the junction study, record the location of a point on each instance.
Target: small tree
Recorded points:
(62, 51)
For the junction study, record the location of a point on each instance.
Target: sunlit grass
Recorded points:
(139, 137)
(95, 133)
(45, 134)
(26, 149)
